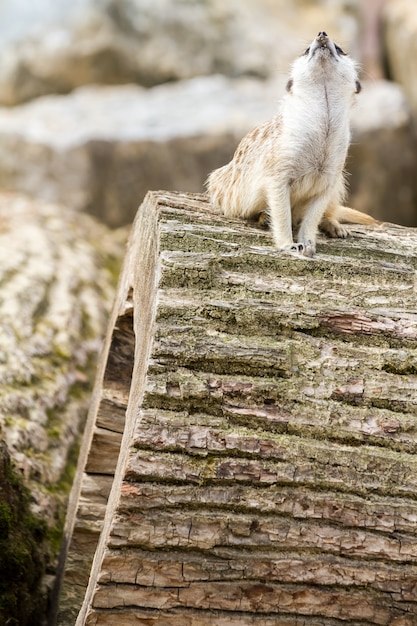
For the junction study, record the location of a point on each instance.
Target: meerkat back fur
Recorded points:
(292, 166)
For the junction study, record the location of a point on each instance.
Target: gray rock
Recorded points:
(54, 47)
(400, 30)
(383, 155)
(100, 149)
(124, 41)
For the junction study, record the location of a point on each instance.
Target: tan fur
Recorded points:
(335, 216)
(292, 166)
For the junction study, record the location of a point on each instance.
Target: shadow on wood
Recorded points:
(254, 422)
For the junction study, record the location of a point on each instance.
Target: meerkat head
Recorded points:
(324, 60)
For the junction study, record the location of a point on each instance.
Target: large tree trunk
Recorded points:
(266, 471)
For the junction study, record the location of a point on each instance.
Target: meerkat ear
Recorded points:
(289, 85)
(358, 87)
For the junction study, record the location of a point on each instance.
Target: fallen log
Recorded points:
(250, 454)
(58, 272)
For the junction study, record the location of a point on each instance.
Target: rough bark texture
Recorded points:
(57, 277)
(267, 470)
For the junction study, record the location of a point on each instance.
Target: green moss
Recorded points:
(67, 478)
(113, 265)
(22, 563)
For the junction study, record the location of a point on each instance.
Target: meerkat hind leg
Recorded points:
(333, 228)
(261, 220)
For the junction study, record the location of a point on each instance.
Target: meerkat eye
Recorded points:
(340, 51)
(306, 51)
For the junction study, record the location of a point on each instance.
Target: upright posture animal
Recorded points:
(292, 166)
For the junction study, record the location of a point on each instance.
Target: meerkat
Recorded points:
(292, 167)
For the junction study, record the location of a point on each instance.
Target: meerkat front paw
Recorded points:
(305, 248)
(308, 248)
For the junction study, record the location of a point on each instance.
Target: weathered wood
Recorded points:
(267, 471)
(98, 457)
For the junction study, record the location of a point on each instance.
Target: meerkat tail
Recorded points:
(346, 215)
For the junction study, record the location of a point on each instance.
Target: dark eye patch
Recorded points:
(306, 51)
(339, 50)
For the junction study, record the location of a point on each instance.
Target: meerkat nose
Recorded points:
(322, 35)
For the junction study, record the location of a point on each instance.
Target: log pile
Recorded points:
(250, 455)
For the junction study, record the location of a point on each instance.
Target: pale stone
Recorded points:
(383, 155)
(54, 47)
(400, 31)
(100, 149)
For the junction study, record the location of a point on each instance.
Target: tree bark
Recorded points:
(266, 469)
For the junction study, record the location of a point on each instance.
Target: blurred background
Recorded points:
(101, 100)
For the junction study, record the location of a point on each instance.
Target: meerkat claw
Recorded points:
(306, 248)
(297, 247)
(332, 228)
